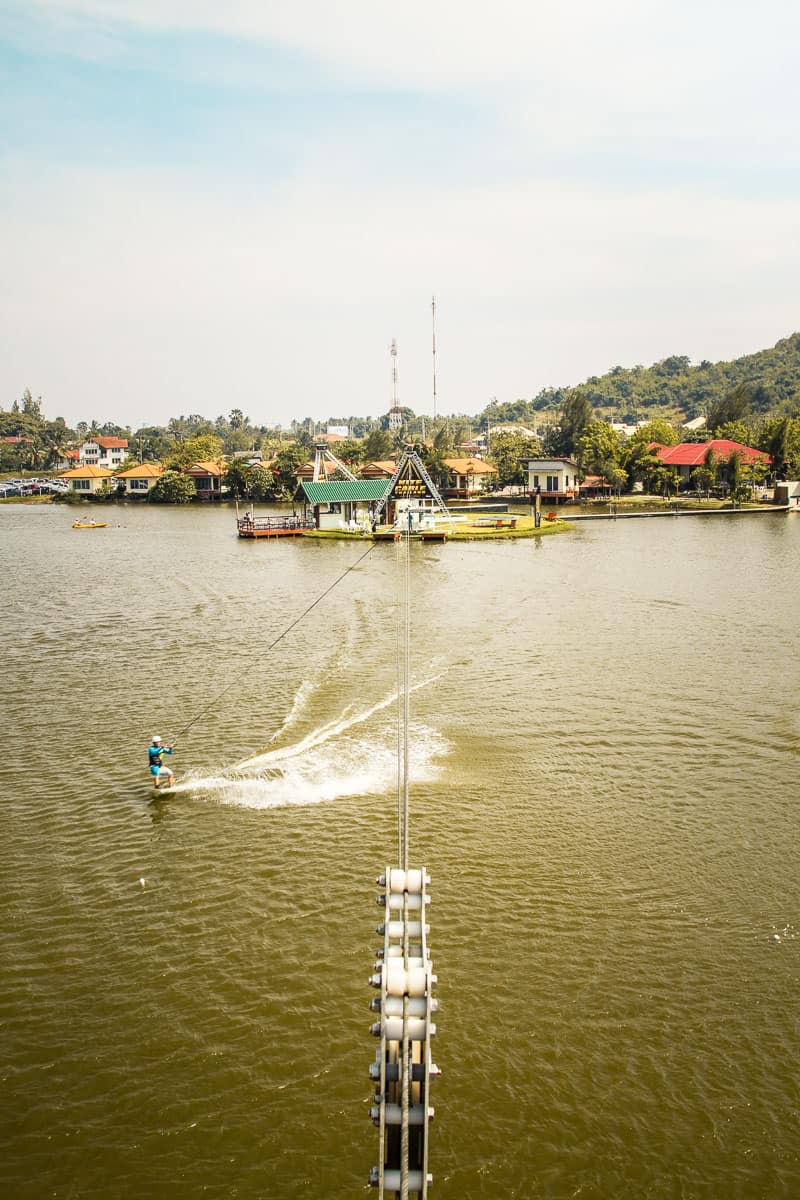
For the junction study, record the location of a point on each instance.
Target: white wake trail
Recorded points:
(325, 732)
(327, 764)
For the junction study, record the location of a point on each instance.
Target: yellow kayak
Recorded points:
(89, 524)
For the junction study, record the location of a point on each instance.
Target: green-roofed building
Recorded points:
(342, 503)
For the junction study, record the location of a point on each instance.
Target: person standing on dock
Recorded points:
(156, 754)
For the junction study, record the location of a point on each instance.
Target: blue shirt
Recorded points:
(155, 753)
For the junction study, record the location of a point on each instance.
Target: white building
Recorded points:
(556, 479)
(103, 452)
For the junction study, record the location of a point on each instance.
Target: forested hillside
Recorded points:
(768, 381)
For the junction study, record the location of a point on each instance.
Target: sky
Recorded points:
(206, 207)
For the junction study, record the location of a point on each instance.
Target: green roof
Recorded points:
(336, 490)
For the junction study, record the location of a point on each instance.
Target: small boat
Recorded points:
(89, 524)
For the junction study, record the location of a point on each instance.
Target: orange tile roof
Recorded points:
(470, 466)
(385, 466)
(109, 443)
(207, 468)
(142, 471)
(86, 472)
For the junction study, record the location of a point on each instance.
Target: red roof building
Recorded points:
(693, 454)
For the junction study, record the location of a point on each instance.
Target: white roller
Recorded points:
(392, 1180)
(417, 1006)
(394, 929)
(414, 899)
(393, 1114)
(414, 956)
(407, 881)
(399, 982)
(417, 1029)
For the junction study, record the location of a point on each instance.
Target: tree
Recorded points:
(599, 448)
(205, 448)
(705, 477)
(617, 477)
(676, 364)
(509, 451)
(151, 443)
(173, 488)
(349, 451)
(378, 445)
(561, 439)
(664, 479)
(657, 430)
(433, 457)
(304, 439)
(263, 484)
(734, 472)
(285, 467)
(735, 431)
(754, 473)
(780, 438)
(734, 406)
(237, 478)
(30, 406)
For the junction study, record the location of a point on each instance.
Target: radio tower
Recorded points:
(433, 327)
(395, 412)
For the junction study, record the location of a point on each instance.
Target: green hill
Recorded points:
(768, 383)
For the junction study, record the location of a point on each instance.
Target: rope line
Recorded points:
(406, 688)
(212, 703)
(398, 560)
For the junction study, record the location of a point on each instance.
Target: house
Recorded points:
(306, 472)
(87, 480)
(595, 487)
(140, 480)
(625, 429)
(342, 503)
(103, 451)
(70, 458)
(686, 457)
(468, 477)
(556, 479)
(787, 491)
(207, 478)
(383, 468)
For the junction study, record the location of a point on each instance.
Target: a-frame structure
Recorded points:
(323, 455)
(411, 481)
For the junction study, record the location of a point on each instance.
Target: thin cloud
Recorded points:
(205, 209)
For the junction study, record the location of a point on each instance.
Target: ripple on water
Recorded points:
(604, 770)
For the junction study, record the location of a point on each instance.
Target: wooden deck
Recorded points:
(267, 527)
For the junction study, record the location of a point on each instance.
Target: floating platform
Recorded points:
(421, 535)
(268, 527)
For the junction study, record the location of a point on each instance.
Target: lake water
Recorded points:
(605, 769)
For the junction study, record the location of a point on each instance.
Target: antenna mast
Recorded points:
(433, 329)
(395, 415)
(394, 372)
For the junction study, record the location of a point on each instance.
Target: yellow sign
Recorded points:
(410, 485)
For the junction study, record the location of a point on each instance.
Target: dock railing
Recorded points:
(249, 526)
